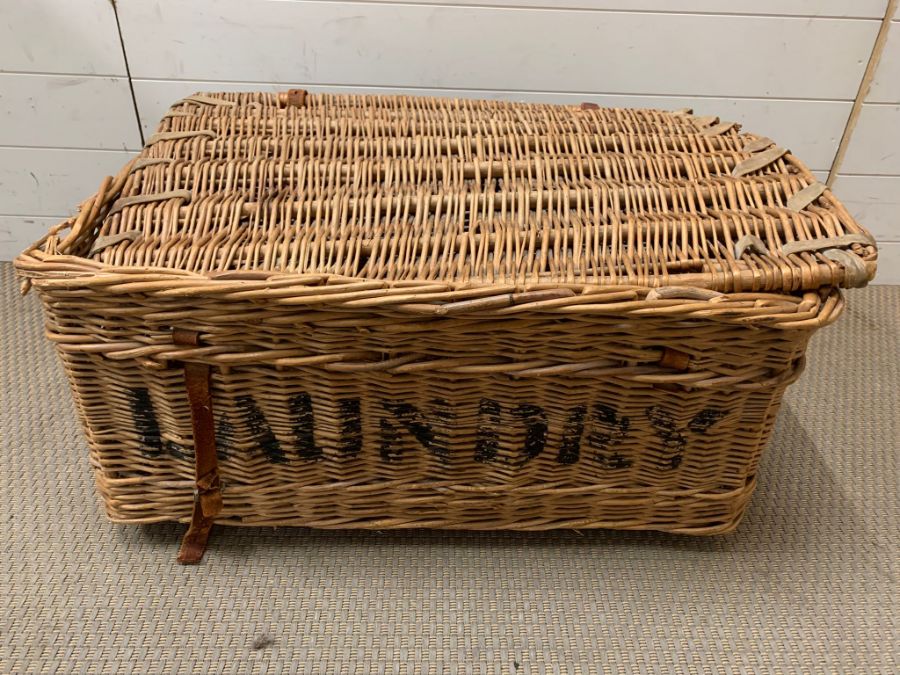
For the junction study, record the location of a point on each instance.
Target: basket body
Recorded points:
(585, 425)
(419, 313)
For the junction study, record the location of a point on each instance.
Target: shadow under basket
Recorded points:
(393, 312)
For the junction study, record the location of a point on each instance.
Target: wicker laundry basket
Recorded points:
(384, 312)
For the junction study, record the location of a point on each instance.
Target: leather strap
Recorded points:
(672, 358)
(193, 545)
(207, 493)
(293, 97)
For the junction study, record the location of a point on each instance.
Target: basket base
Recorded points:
(522, 509)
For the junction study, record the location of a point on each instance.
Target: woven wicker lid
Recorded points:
(470, 192)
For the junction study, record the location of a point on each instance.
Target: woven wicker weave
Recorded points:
(429, 313)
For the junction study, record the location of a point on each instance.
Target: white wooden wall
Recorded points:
(70, 114)
(66, 114)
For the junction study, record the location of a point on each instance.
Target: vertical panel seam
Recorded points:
(137, 114)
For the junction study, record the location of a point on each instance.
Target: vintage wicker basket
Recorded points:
(383, 312)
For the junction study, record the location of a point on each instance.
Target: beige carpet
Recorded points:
(808, 583)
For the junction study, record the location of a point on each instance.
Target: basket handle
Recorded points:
(92, 212)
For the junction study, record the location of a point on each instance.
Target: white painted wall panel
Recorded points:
(60, 36)
(811, 129)
(47, 182)
(68, 112)
(836, 8)
(496, 48)
(874, 201)
(886, 83)
(875, 144)
(888, 263)
(63, 94)
(18, 232)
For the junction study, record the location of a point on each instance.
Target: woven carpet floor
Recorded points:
(808, 583)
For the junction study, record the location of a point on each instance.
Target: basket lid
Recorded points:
(471, 192)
